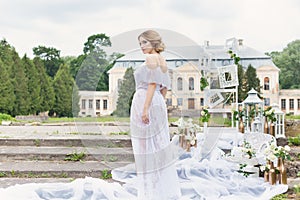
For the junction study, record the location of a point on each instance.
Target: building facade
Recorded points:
(185, 65)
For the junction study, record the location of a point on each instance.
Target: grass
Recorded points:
(280, 197)
(105, 174)
(87, 119)
(75, 156)
(292, 116)
(294, 140)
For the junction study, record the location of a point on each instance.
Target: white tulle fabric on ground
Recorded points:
(210, 178)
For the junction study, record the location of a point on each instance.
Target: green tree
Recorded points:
(34, 87)
(64, 93)
(20, 84)
(96, 42)
(252, 79)
(126, 92)
(289, 63)
(103, 83)
(6, 91)
(46, 88)
(51, 58)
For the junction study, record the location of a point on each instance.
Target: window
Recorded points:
(201, 101)
(105, 104)
(266, 83)
(169, 102)
(90, 103)
(179, 102)
(179, 83)
(298, 103)
(191, 83)
(191, 103)
(83, 102)
(98, 104)
(267, 101)
(283, 106)
(178, 63)
(291, 103)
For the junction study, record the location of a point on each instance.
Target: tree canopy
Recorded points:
(288, 61)
(126, 92)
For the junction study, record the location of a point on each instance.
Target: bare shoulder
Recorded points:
(156, 60)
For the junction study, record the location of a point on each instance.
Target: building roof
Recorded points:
(216, 53)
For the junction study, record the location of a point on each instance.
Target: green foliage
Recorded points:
(120, 133)
(252, 79)
(280, 197)
(105, 174)
(5, 117)
(294, 140)
(50, 57)
(90, 71)
(75, 156)
(34, 88)
(66, 94)
(204, 115)
(6, 90)
(96, 42)
(46, 92)
(288, 61)
(126, 92)
(3, 174)
(20, 84)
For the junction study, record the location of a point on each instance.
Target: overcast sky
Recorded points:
(266, 25)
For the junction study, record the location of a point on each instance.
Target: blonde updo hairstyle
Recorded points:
(155, 39)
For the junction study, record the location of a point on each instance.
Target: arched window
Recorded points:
(179, 83)
(191, 83)
(266, 83)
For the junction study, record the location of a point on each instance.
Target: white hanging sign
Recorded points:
(228, 76)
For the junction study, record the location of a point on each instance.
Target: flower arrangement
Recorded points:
(203, 81)
(272, 152)
(187, 133)
(205, 116)
(245, 156)
(248, 150)
(269, 114)
(238, 115)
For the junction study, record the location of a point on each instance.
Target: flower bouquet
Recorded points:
(187, 133)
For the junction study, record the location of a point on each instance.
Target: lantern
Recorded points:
(254, 109)
(279, 123)
(256, 126)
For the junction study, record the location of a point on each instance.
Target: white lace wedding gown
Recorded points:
(151, 142)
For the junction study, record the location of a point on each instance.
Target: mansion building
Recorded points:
(185, 64)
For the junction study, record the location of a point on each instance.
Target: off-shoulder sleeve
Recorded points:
(156, 75)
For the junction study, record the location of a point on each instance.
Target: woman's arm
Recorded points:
(149, 96)
(164, 91)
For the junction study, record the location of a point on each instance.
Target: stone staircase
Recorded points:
(44, 159)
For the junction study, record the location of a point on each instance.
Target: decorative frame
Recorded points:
(228, 76)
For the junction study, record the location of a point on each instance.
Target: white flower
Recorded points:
(272, 146)
(202, 113)
(287, 148)
(271, 157)
(193, 142)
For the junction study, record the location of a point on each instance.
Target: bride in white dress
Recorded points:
(149, 124)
